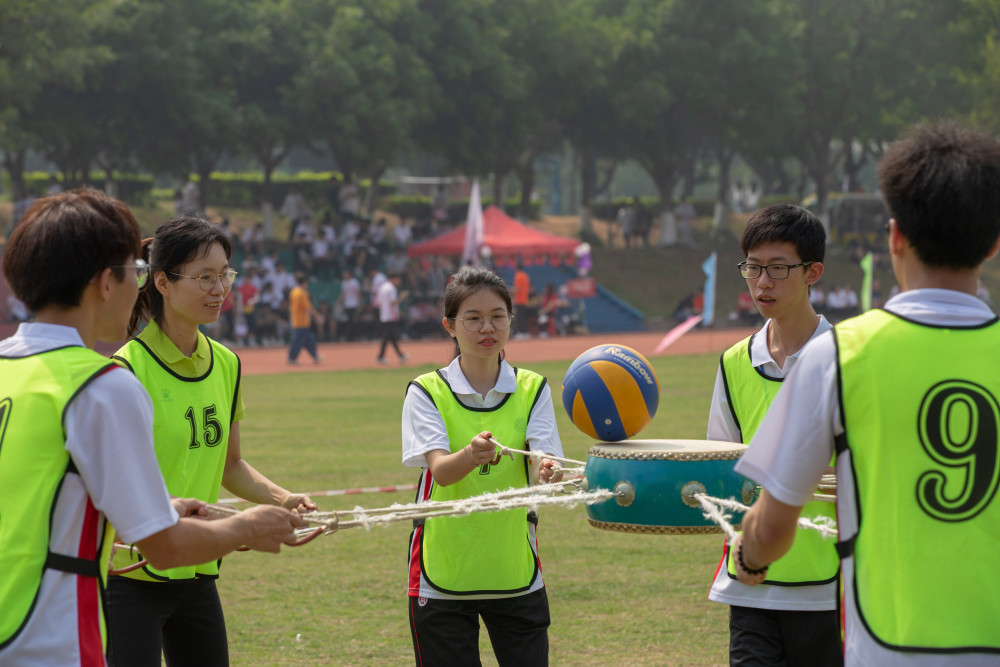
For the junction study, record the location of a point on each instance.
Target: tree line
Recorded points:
(801, 90)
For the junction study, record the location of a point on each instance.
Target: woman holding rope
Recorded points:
(483, 564)
(195, 385)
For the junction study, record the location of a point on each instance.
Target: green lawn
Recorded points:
(616, 599)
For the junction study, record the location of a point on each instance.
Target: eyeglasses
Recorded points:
(207, 280)
(141, 271)
(774, 271)
(474, 323)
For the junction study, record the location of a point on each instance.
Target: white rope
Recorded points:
(824, 525)
(507, 451)
(528, 497)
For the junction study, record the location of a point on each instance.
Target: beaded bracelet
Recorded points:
(743, 565)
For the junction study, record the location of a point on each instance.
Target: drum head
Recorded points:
(669, 450)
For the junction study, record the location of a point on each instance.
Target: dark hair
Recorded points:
(786, 223)
(467, 282)
(63, 241)
(175, 243)
(941, 183)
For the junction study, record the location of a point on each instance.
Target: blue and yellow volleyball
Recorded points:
(611, 392)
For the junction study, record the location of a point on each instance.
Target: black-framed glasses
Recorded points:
(474, 323)
(774, 271)
(141, 271)
(206, 281)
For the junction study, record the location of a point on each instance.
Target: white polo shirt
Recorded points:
(794, 443)
(721, 426)
(109, 434)
(424, 429)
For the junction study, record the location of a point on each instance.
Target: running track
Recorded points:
(360, 356)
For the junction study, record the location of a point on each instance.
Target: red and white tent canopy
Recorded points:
(506, 237)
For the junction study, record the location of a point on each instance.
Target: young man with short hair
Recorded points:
(907, 398)
(76, 439)
(792, 618)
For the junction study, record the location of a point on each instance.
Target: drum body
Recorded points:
(657, 478)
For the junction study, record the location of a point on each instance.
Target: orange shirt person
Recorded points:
(522, 286)
(300, 308)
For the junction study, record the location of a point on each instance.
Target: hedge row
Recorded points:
(243, 190)
(608, 210)
(246, 190)
(132, 188)
(418, 207)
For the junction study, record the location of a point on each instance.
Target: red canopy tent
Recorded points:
(506, 237)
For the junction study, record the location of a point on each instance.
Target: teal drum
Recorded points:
(656, 481)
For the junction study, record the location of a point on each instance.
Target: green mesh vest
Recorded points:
(191, 425)
(484, 552)
(922, 426)
(812, 560)
(34, 394)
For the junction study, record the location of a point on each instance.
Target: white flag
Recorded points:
(473, 228)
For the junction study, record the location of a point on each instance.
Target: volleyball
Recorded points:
(611, 392)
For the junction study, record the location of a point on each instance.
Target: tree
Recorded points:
(867, 69)
(365, 86)
(42, 43)
(271, 56)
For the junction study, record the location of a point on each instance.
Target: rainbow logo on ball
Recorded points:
(610, 392)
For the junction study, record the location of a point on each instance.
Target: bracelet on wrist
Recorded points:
(743, 564)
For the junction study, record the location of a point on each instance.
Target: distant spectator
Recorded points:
(190, 198)
(178, 201)
(584, 263)
(271, 296)
(642, 222)
(350, 198)
(522, 286)
(333, 195)
(226, 229)
(303, 255)
(402, 233)
(396, 262)
(252, 239)
(21, 207)
(877, 293)
(626, 221)
(387, 300)
(350, 301)
(685, 220)
(295, 208)
(378, 235)
(746, 311)
(323, 261)
(739, 205)
(422, 319)
(817, 297)
(350, 232)
(269, 263)
(227, 317)
(301, 313)
(439, 208)
(841, 303)
(689, 305)
(375, 280)
(548, 314)
(282, 279)
(326, 324)
(55, 187)
(248, 297)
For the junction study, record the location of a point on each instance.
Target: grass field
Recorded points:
(615, 599)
